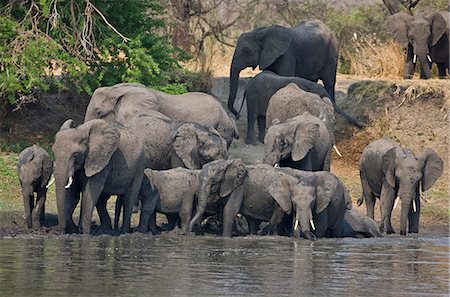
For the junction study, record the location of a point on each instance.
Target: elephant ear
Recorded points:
(432, 168)
(324, 193)
(102, 143)
(68, 124)
(438, 26)
(185, 144)
(275, 43)
(397, 25)
(232, 177)
(388, 166)
(47, 170)
(280, 190)
(305, 135)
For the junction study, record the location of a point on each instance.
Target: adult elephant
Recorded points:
(34, 169)
(309, 50)
(264, 85)
(302, 142)
(123, 102)
(425, 38)
(98, 159)
(388, 171)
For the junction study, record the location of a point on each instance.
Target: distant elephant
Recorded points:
(125, 101)
(359, 225)
(170, 192)
(302, 142)
(425, 37)
(98, 159)
(388, 171)
(319, 201)
(220, 183)
(309, 50)
(261, 88)
(34, 169)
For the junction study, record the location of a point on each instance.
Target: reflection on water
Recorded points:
(212, 266)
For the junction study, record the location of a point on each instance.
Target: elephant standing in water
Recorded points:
(98, 159)
(309, 50)
(388, 171)
(425, 38)
(34, 169)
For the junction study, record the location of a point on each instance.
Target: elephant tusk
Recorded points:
(429, 58)
(414, 59)
(277, 165)
(296, 225)
(396, 202)
(52, 180)
(414, 206)
(69, 183)
(337, 151)
(312, 224)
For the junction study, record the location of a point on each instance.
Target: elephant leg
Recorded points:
(74, 198)
(277, 220)
(130, 198)
(28, 200)
(117, 211)
(185, 213)
(105, 220)
(387, 198)
(253, 225)
(413, 217)
(261, 128)
(367, 196)
(91, 194)
(410, 67)
(148, 210)
(152, 224)
(231, 210)
(37, 211)
(441, 70)
(172, 220)
(251, 119)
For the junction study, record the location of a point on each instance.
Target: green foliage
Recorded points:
(48, 42)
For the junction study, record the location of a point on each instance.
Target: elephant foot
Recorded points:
(402, 232)
(250, 141)
(309, 235)
(390, 231)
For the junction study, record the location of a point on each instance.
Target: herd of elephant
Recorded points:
(170, 153)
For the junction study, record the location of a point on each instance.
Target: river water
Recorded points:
(144, 265)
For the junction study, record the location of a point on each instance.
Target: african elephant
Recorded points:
(359, 225)
(34, 169)
(388, 171)
(424, 36)
(125, 101)
(302, 142)
(317, 201)
(171, 192)
(309, 50)
(98, 159)
(220, 183)
(263, 86)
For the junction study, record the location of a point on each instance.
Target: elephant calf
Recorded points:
(359, 225)
(34, 169)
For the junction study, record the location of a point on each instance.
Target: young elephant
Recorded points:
(302, 142)
(170, 192)
(34, 169)
(359, 225)
(99, 159)
(388, 171)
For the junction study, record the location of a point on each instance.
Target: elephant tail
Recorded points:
(350, 119)
(360, 201)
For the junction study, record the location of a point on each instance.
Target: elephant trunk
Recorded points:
(61, 180)
(425, 66)
(202, 199)
(406, 205)
(306, 223)
(234, 83)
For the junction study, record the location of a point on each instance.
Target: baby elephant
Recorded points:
(170, 192)
(359, 225)
(34, 169)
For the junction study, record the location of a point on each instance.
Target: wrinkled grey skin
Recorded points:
(103, 159)
(421, 35)
(318, 196)
(220, 188)
(123, 102)
(170, 143)
(309, 50)
(170, 192)
(388, 171)
(359, 225)
(34, 169)
(261, 88)
(302, 142)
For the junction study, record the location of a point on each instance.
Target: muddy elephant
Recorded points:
(170, 192)
(34, 169)
(263, 86)
(309, 50)
(97, 159)
(302, 142)
(391, 172)
(125, 101)
(425, 38)
(359, 225)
